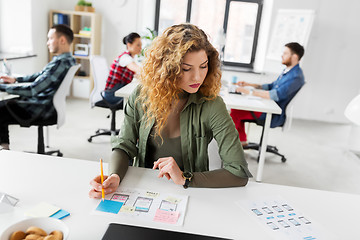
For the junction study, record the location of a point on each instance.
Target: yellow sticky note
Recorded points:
(126, 208)
(173, 200)
(43, 209)
(152, 194)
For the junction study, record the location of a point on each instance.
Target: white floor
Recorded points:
(317, 153)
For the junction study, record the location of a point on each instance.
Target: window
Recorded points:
(15, 31)
(232, 25)
(173, 12)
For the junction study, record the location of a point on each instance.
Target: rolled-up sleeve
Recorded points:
(129, 132)
(274, 95)
(226, 136)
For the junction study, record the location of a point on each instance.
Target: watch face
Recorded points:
(188, 175)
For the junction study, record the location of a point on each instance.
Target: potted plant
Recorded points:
(147, 40)
(80, 5)
(88, 7)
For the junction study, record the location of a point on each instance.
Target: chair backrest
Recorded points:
(100, 70)
(59, 99)
(289, 111)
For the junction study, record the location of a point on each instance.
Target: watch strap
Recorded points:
(187, 183)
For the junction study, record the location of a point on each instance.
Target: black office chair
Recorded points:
(289, 108)
(257, 146)
(100, 73)
(59, 101)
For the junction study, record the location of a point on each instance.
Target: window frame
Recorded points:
(225, 25)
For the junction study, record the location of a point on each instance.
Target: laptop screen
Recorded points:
(120, 231)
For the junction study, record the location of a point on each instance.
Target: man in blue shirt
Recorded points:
(35, 98)
(281, 91)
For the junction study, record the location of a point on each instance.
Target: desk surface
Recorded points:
(235, 101)
(65, 182)
(5, 95)
(127, 90)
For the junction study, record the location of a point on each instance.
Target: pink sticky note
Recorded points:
(166, 216)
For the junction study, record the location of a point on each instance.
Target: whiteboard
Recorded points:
(290, 26)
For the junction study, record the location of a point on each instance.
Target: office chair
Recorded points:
(289, 108)
(59, 101)
(101, 72)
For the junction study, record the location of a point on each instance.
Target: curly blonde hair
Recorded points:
(162, 71)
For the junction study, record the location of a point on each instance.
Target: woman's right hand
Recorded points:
(110, 185)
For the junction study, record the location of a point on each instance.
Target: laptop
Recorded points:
(117, 231)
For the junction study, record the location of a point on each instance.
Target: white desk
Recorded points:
(65, 182)
(5, 96)
(234, 101)
(126, 91)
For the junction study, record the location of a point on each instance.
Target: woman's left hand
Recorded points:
(170, 169)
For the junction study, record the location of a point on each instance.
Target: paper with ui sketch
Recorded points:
(283, 220)
(145, 205)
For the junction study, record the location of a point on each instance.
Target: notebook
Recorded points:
(120, 231)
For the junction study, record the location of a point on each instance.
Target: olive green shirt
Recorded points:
(200, 121)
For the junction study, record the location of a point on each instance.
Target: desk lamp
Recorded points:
(352, 111)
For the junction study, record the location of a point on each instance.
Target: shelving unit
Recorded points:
(83, 82)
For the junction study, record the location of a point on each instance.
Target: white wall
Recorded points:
(330, 62)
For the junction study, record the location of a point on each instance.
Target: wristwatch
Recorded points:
(187, 176)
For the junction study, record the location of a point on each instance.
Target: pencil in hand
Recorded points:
(102, 180)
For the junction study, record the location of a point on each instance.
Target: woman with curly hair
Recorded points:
(174, 114)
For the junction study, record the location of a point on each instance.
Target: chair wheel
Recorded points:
(283, 159)
(60, 154)
(90, 140)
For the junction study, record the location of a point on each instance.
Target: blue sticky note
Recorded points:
(109, 206)
(60, 214)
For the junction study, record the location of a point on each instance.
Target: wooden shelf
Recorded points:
(76, 13)
(81, 57)
(82, 77)
(78, 20)
(81, 36)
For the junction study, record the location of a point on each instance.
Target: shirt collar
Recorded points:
(63, 55)
(286, 70)
(196, 98)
